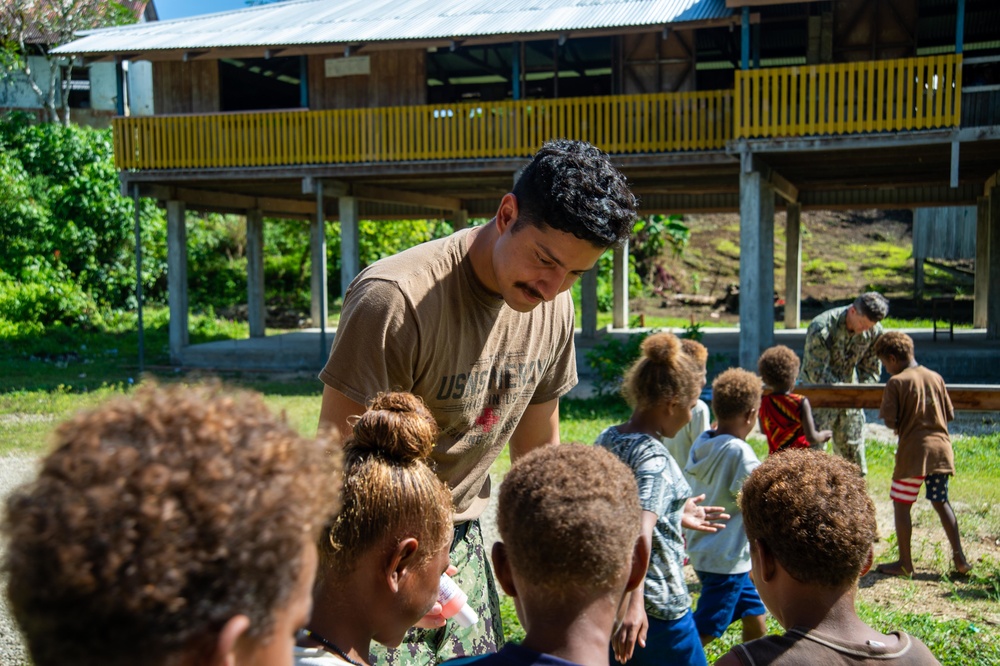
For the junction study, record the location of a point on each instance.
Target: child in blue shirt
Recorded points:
(720, 460)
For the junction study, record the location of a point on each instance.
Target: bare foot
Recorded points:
(894, 569)
(962, 565)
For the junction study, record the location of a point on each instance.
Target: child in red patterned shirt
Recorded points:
(785, 417)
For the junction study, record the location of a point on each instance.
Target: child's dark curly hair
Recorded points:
(697, 351)
(813, 513)
(896, 344)
(573, 187)
(663, 375)
(390, 490)
(735, 392)
(778, 367)
(156, 519)
(569, 516)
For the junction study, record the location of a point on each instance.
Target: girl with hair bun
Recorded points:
(382, 558)
(661, 387)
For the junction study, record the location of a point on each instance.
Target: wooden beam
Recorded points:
(965, 397)
(783, 187)
(199, 199)
(373, 193)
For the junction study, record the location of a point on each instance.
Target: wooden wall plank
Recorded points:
(397, 78)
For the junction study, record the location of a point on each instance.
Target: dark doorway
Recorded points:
(250, 84)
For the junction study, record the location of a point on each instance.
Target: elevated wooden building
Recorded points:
(381, 109)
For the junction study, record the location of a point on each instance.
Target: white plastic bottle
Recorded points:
(455, 603)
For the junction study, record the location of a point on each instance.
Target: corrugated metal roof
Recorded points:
(311, 22)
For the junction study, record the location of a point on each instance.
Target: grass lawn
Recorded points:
(44, 381)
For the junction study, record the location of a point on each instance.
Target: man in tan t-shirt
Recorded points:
(480, 325)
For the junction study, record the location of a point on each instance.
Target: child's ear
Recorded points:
(640, 561)
(869, 560)
(768, 565)
(399, 562)
(501, 568)
(224, 650)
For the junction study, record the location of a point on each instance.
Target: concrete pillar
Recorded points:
(756, 267)
(459, 220)
(993, 297)
(177, 282)
(317, 244)
(256, 313)
(982, 262)
(619, 281)
(350, 252)
(588, 304)
(793, 265)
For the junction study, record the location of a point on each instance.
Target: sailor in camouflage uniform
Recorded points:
(840, 350)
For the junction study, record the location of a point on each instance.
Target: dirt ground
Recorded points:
(843, 254)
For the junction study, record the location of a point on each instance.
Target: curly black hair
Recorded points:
(569, 516)
(735, 392)
(156, 519)
(813, 512)
(778, 367)
(572, 186)
(896, 344)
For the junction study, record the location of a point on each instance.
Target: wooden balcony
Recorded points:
(620, 124)
(879, 96)
(823, 100)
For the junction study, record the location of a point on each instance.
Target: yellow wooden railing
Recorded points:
(618, 124)
(878, 96)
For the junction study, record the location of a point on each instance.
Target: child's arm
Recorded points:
(948, 407)
(889, 410)
(635, 623)
(816, 438)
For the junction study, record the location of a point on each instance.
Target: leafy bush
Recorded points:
(380, 239)
(650, 237)
(610, 358)
(22, 217)
(54, 151)
(28, 307)
(61, 209)
(217, 262)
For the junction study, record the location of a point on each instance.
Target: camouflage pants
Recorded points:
(848, 433)
(424, 647)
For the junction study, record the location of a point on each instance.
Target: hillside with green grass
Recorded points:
(843, 254)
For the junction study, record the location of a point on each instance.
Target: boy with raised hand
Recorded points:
(569, 520)
(719, 462)
(916, 405)
(811, 526)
